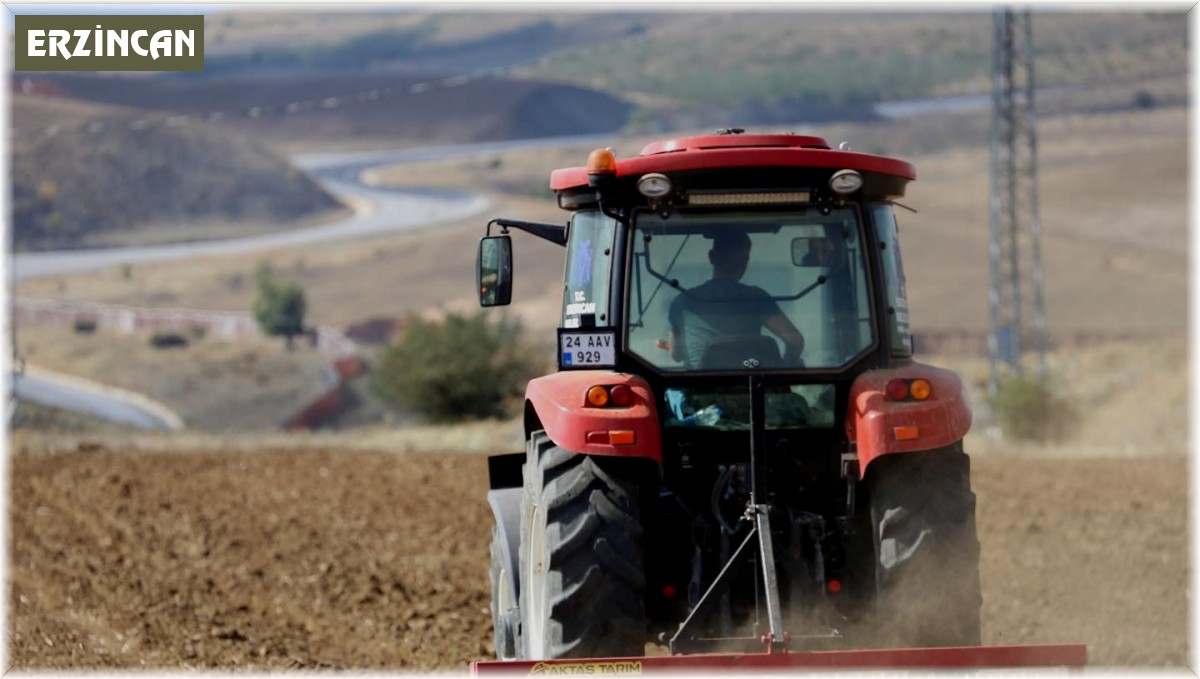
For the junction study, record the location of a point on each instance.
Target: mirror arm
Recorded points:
(673, 282)
(554, 233)
(613, 215)
(817, 283)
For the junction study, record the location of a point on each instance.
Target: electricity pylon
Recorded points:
(1015, 230)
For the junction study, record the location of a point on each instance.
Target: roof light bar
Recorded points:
(748, 198)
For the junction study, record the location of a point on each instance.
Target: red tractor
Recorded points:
(738, 453)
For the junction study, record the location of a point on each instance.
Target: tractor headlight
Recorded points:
(654, 185)
(845, 181)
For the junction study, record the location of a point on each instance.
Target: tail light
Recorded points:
(597, 396)
(620, 395)
(908, 390)
(602, 396)
(896, 390)
(920, 389)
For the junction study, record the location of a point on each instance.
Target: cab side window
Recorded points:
(893, 275)
(589, 261)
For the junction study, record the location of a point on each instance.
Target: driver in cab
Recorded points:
(725, 309)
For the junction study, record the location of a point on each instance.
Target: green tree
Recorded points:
(465, 367)
(280, 306)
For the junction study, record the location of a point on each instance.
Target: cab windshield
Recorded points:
(753, 290)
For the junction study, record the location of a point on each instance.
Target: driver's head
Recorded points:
(730, 254)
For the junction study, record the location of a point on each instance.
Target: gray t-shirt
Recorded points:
(717, 310)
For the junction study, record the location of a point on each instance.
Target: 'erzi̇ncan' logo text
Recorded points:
(110, 43)
(101, 42)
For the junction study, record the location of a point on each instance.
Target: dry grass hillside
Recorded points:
(244, 30)
(87, 176)
(312, 110)
(768, 64)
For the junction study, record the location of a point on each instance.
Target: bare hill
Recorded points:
(380, 38)
(709, 66)
(357, 110)
(95, 175)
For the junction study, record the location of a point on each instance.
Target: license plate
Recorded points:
(578, 349)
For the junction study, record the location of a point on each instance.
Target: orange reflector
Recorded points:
(602, 161)
(906, 433)
(597, 396)
(619, 437)
(920, 389)
(622, 437)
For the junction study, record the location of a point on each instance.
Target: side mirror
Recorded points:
(805, 251)
(816, 252)
(493, 274)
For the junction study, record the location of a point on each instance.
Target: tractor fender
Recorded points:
(558, 405)
(872, 420)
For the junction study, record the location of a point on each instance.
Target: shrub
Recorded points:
(1144, 100)
(1028, 409)
(465, 367)
(167, 340)
(85, 325)
(280, 306)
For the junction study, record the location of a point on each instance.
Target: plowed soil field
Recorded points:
(349, 559)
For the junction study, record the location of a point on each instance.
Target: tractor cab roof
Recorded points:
(737, 151)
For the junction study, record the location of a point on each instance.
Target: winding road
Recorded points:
(378, 210)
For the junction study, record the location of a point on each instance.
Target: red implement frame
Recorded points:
(1053, 655)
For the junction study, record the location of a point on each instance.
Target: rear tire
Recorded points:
(927, 552)
(504, 623)
(582, 578)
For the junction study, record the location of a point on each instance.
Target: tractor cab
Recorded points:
(705, 259)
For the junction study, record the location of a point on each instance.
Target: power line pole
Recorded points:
(1015, 224)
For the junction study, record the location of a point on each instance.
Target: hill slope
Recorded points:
(710, 66)
(308, 110)
(91, 175)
